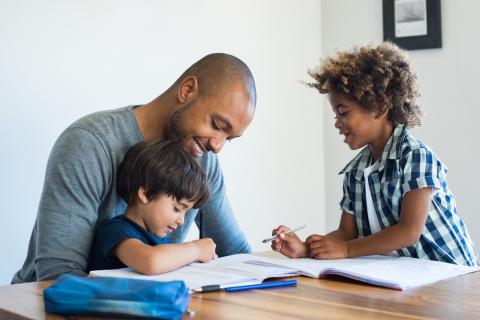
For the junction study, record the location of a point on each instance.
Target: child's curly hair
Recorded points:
(376, 76)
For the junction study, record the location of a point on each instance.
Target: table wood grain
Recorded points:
(330, 298)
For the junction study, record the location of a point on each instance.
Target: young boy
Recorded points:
(160, 182)
(395, 195)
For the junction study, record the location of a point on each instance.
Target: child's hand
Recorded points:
(206, 249)
(322, 247)
(289, 244)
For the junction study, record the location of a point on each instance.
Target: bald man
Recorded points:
(211, 102)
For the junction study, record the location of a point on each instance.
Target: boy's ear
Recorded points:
(142, 195)
(382, 109)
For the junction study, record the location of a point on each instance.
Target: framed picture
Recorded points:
(413, 24)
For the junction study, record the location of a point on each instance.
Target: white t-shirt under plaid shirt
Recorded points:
(407, 164)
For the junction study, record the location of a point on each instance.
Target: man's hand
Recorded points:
(289, 244)
(324, 247)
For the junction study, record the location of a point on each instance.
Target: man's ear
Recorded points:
(188, 89)
(142, 195)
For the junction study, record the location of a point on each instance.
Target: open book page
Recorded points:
(387, 271)
(405, 273)
(226, 271)
(309, 267)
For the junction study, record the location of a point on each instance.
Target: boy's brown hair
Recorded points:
(378, 77)
(161, 168)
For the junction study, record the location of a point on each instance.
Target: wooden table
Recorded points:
(332, 298)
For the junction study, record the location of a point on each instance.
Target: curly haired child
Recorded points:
(395, 194)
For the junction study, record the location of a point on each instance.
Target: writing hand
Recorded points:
(289, 244)
(205, 249)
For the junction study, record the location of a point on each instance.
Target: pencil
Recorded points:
(289, 231)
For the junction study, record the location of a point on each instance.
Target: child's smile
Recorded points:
(359, 125)
(161, 215)
(346, 135)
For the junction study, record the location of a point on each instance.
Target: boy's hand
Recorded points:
(205, 249)
(289, 244)
(322, 247)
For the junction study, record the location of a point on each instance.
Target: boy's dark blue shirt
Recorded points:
(110, 234)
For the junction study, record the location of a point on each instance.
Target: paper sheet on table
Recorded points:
(387, 271)
(226, 271)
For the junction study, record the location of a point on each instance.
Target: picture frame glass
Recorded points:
(410, 18)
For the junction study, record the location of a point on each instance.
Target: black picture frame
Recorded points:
(408, 28)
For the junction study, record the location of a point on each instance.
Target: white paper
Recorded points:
(226, 271)
(387, 271)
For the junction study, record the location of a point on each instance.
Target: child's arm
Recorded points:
(333, 244)
(347, 230)
(147, 259)
(415, 207)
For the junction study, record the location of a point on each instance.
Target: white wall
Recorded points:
(60, 60)
(448, 79)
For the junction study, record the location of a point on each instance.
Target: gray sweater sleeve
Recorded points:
(77, 177)
(218, 220)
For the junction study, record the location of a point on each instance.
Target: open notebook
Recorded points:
(227, 272)
(386, 271)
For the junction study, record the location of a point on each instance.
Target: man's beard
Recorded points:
(176, 131)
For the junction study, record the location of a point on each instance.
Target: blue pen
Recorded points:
(264, 285)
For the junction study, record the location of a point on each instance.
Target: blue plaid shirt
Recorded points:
(407, 164)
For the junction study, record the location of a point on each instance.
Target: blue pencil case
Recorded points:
(117, 297)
